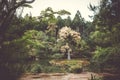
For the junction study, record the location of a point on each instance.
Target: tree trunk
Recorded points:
(68, 56)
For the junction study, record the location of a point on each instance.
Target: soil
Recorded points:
(58, 76)
(110, 76)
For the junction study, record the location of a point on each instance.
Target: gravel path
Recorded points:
(57, 76)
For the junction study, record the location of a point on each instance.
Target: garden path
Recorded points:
(58, 76)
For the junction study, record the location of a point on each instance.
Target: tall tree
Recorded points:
(7, 11)
(60, 22)
(68, 21)
(107, 32)
(10, 49)
(70, 38)
(78, 22)
(49, 15)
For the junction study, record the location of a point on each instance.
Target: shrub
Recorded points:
(74, 66)
(57, 56)
(36, 68)
(75, 69)
(52, 69)
(100, 58)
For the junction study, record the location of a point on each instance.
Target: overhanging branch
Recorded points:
(21, 3)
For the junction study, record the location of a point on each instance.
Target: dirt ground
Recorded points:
(58, 76)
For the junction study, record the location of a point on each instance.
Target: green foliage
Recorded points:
(60, 22)
(74, 66)
(57, 56)
(34, 38)
(37, 43)
(63, 12)
(52, 69)
(75, 69)
(84, 49)
(27, 5)
(68, 21)
(106, 34)
(101, 54)
(26, 41)
(13, 59)
(49, 15)
(78, 22)
(101, 38)
(36, 68)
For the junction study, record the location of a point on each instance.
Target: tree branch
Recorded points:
(21, 3)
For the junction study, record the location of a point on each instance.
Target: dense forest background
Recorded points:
(29, 43)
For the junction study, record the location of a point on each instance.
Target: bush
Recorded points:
(36, 68)
(100, 58)
(74, 66)
(52, 69)
(75, 69)
(57, 56)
